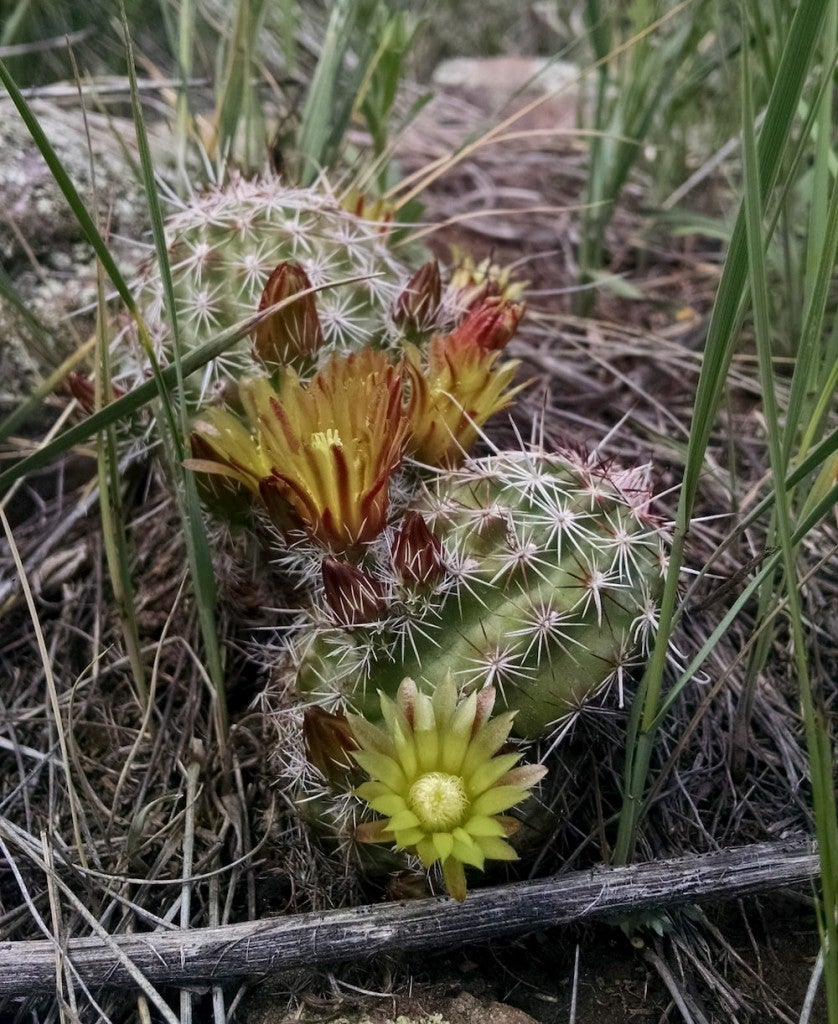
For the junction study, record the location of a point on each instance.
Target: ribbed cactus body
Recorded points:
(546, 589)
(225, 242)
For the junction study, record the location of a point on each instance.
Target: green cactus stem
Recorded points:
(225, 243)
(541, 580)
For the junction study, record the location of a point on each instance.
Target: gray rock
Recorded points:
(51, 267)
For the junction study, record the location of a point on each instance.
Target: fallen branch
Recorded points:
(283, 943)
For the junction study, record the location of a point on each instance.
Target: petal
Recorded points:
(485, 703)
(369, 736)
(405, 819)
(485, 826)
(427, 851)
(454, 747)
(423, 714)
(406, 698)
(405, 838)
(509, 825)
(443, 844)
(455, 879)
(497, 799)
(405, 746)
(389, 804)
(370, 790)
(466, 849)
(381, 768)
(487, 774)
(445, 702)
(487, 741)
(496, 849)
(466, 854)
(427, 749)
(526, 776)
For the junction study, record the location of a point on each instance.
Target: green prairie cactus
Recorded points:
(538, 574)
(224, 245)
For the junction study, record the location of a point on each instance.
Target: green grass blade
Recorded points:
(238, 113)
(177, 427)
(329, 102)
(815, 719)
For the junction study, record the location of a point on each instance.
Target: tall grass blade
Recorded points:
(815, 718)
(238, 117)
(177, 427)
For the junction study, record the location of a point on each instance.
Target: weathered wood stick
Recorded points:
(283, 943)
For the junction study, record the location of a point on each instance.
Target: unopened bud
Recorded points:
(490, 325)
(328, 742)
(417, 553)
(83, 389)
(293, 331)
(353, 597)
(417, 305)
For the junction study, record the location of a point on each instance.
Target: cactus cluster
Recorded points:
(432, 584)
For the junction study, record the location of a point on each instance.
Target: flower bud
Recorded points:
(417, 305)
(353, 597)
(417, 553)
(83, 389)
(328, 740)
(490, 325)
(294, 331)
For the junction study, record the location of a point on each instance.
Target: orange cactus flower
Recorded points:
(332, 445)
(320, 455)
(452, 396)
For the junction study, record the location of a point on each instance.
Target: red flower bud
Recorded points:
(83, 389)
(490, 325)
(417, 553)
(418, 302)
(293, 331)
(353, 597)
(328, 741)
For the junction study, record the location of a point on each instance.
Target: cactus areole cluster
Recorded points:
(435, 586)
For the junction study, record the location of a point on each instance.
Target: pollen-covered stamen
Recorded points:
(323, 440)
(439, 801)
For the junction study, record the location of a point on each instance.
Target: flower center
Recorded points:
(438, 800)
(323, 440)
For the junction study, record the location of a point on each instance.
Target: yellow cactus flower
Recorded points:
(452, 396)
(471, 283)
(333, 445)
(222, 446)
(320, 455)
(436, 776)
